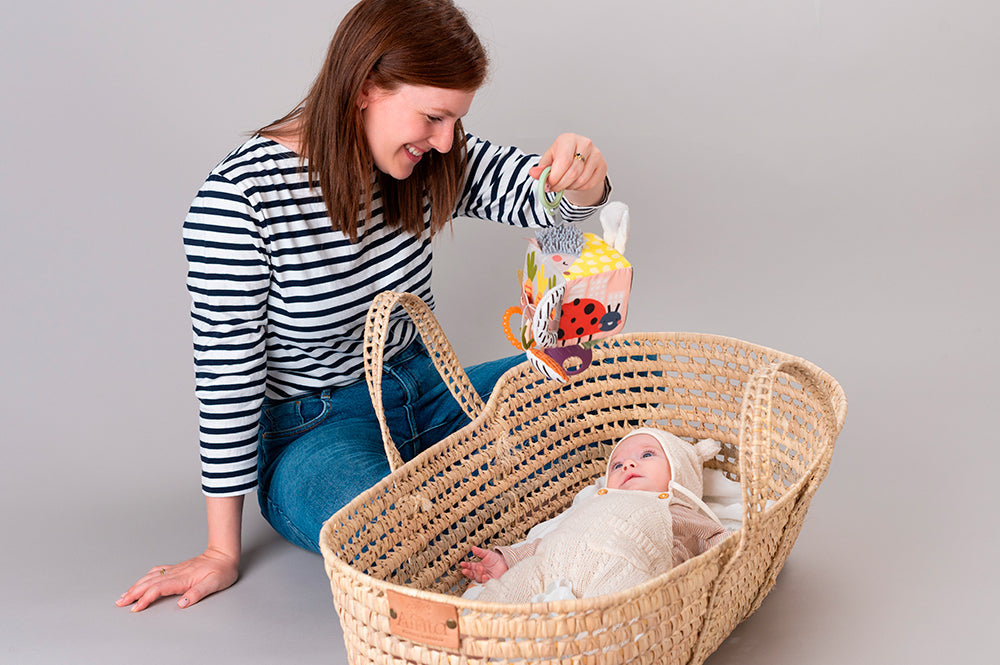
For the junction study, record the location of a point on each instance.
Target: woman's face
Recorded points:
(403, 124)
(639, 463)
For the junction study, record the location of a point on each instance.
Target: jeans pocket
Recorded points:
(291, 419)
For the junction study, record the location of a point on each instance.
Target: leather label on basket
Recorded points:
(424, 621)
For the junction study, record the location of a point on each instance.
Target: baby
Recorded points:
(649, 518)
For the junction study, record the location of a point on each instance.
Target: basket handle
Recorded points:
(756, 424)
(755, 428)
(438, 347)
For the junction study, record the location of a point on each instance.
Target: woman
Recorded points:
(290, 239)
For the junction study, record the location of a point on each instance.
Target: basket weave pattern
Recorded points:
(526, 454)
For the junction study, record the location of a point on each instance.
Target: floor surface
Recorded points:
(861, 585)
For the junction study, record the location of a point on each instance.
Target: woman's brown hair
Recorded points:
(388, 43)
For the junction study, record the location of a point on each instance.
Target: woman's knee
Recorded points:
(485, 375)
(313, 479)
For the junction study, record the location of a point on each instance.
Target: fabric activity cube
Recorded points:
(574, 291)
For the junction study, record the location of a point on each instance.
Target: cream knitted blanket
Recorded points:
(613, 540)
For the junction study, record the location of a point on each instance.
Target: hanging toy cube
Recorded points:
(574, 291)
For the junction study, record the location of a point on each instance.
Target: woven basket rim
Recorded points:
(577, 605)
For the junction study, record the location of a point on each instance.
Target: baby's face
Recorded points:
(639, 463)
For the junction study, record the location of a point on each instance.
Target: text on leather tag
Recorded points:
(425, 621)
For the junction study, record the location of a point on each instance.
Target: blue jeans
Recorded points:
(318, 451)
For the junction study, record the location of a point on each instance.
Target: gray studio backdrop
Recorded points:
(817, 177)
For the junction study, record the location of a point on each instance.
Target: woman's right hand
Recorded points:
(192, 580)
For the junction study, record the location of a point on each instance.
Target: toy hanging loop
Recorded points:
(554, 203)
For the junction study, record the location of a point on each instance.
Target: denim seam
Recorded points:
(408, 387)
(276, 511)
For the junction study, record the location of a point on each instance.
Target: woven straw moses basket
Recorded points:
(392, 554)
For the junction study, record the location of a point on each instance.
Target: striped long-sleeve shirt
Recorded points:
(279, 298)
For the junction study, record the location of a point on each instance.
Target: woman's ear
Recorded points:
(365, 95)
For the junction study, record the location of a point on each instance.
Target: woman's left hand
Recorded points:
(577, 167)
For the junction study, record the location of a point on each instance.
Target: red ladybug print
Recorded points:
(584, 317)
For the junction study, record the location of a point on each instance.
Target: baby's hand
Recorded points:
(491, 565)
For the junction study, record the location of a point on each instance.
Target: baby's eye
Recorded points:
(616, 465)
(648, 453)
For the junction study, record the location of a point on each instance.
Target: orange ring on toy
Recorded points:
(511, 311)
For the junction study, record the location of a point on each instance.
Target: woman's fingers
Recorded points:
(192, 580)
(150, 587)
(149, 596)
(140, 587)
(569, 165)
(206, 587)
(576, 165)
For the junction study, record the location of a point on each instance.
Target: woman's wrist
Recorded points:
(225, 526)
(590, 198)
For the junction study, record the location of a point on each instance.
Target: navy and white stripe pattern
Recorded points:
(279, 298)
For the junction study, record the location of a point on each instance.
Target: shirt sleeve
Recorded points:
(513, 554)
(498, 188)
(228, 279)
(694, 533)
